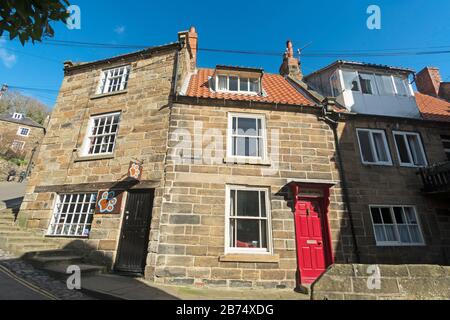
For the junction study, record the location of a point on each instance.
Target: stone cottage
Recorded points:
(19, 134)
(394, 149)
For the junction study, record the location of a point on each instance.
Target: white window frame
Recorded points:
(261, 251)
(21, 143)
(372, 147)
(89, 136)
(89, 199)
(230, 136)
(395, 224)
(107, 76)
(19, 132)
(238, 85)
(410, 164)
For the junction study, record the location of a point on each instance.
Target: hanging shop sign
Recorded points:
(108, 202)
(135, 170)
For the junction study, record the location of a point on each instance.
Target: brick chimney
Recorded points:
(291, 65)
(428, 81)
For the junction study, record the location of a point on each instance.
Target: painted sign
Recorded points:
(135, 170)
(108, 202)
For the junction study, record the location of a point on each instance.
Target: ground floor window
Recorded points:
(396, 225)
(73, 214)
(248, 220)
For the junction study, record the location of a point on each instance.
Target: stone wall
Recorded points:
(404, 282)
(395, 185)
(190, 249)
(142, 136)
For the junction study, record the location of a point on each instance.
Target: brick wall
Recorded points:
(395, 185)
(191, 244)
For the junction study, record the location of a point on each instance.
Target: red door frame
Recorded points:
(326, 231)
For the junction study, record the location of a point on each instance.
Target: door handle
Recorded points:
(319, 243)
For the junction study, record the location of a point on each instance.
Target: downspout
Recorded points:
(333, 125)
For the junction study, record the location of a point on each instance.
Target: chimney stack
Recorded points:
(190, 39)
(428, 81)
(291, 65)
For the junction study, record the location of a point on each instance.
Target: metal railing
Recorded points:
(436, 178)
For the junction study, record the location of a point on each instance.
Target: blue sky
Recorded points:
(240, 25)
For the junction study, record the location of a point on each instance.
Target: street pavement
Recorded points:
(11, 194)
(12, 288)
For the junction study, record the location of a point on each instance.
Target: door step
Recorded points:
(60, 270)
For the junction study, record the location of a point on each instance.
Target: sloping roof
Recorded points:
(433, 108)
(277, 90)
(25, 121)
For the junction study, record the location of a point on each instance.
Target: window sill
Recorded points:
(108, 94)
(237, 160)
(94, 158)
(258, 258)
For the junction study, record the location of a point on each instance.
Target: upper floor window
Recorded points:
(446, 143)
(17, 116)
(410, 149)
(248, 220)
(374, 147)
(102, 134)
(246, 136)
(24, 132)
(237, 84)
(396, 225)
(375, 84)
(113, 80)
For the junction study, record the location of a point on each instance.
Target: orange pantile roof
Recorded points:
(433, 108)
(277, 89)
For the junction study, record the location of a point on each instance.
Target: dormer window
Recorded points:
(17, 116)
(229, 83)
(237, 80)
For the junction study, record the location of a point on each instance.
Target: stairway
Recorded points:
(43, 253)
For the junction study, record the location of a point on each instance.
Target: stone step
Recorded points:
(60, 270)
(13, 239)
(47, 261)
(4, 227)
(49, 253)
(23, 248)
(6, 233)
(7, 217)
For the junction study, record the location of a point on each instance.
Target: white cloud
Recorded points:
(8, 59)
(119, 29)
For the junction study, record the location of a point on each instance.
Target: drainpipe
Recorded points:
(329, 102)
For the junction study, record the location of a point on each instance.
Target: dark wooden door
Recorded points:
(134, 238)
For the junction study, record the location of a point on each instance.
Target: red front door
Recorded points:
(311, 239)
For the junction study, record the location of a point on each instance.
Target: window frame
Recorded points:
(238, 91)
(372, 147)
(395, 224)
(262, 117)
(104, 85)
(22, 143)
(410, 164)
(55, 213)
(446, 139)
(87, 138)
(258, 251)
(19, 132)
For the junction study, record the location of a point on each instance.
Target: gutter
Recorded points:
(333, 125)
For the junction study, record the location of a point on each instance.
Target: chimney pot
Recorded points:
(291, 66)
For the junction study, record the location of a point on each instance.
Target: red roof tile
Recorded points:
(277, 89)
(433, 108)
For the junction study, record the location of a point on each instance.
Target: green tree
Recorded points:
(30, 19)
(15, 102)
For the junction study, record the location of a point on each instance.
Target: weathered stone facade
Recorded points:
(192, 224)
(395, 185)
(383, 282)
(9, 134)
(142, 136)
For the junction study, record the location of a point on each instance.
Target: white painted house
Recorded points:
(367, 88)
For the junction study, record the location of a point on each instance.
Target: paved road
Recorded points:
(12, 288)
(11, 193)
